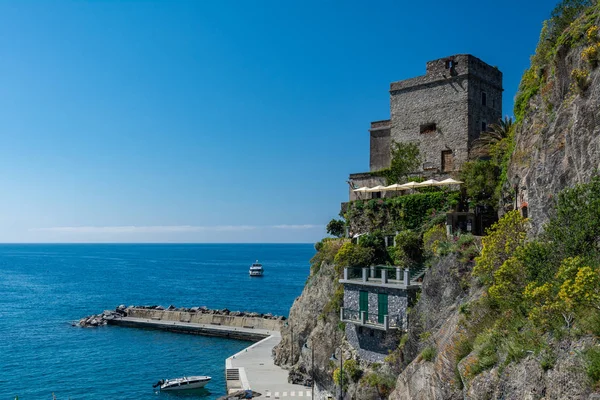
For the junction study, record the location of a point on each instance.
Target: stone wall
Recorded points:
(256, 322)
(372, 344)
(380, 145)
(449, 96)
(364, 179)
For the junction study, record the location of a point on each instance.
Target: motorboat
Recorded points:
(185, 383)
(256, 269)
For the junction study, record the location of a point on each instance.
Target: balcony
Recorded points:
(383, 276)
(373, 320)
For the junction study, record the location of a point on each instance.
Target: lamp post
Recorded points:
(312, 369)
(333, 358)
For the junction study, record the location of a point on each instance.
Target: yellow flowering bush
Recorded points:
(591, 54)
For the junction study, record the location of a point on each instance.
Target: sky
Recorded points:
(214, 121)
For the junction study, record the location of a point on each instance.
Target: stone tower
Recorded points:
(443, 111)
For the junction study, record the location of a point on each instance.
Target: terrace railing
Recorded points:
(362, 318)
(378, 274)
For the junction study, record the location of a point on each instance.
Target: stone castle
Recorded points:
(443, 111)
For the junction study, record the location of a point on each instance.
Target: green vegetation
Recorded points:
(547, 286)
(428, 353)
(336, 228)
(353, 255)
(408, 249)
(571, 24)
(405, 158)
(384, 383)
(399, 213)
(326, 251)
(592, 360)
(481, 179)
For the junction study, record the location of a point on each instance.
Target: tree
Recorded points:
(564, 14)
(336, 227)
(405, 157)
(490, 140)
(481, 179)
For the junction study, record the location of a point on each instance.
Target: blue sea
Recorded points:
(44, 288)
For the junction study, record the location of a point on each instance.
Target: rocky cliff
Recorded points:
(556, 145)
(557, 142)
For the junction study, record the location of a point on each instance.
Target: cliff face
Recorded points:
(308, 324)
(434, 323)
(557, 144)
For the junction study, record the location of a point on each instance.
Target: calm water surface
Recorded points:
(45, 287)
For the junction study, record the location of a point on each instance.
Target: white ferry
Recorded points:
(185, 383)
(256, 269)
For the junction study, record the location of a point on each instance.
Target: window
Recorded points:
(447, 161)
(428, 128)
(450, 64)
(483, 126)
(483, 99)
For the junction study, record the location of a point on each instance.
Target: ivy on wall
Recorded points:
(397, 213)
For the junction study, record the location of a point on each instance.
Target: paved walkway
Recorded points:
(258, 372)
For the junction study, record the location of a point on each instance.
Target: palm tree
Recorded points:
(495, 134)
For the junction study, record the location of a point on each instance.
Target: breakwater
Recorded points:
(196, 320)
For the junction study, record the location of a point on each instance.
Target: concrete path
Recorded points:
(258, 372)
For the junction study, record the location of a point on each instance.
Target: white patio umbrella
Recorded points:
(449, 181)
(377, 188)
(395, 187)
(410, 185)
(363, 189)
(429, 182)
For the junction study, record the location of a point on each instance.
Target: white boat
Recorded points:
(185, 383)
(256, 269)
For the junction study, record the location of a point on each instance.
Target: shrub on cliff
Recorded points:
(498, 246)
(353, 255)
(408, 249)
(432, 238)
(326, 251)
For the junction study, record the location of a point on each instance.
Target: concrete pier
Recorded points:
(253, 369)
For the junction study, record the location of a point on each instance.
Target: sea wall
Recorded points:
(236, 319)
(196, 320)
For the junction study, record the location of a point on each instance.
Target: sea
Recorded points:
(44, 288)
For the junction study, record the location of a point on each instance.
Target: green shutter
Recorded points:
(382, 306)
(364, 302)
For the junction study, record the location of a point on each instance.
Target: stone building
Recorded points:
(375, 304)
(443, 111)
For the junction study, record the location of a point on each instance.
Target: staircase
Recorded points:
(417, 272)
(232, 374)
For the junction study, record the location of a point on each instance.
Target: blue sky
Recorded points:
(221, 121)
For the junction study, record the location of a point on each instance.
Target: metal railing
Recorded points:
(391, 321)
(376, 273)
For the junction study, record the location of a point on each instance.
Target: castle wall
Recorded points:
(441, 102)
(449, 96)
(380, 145)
